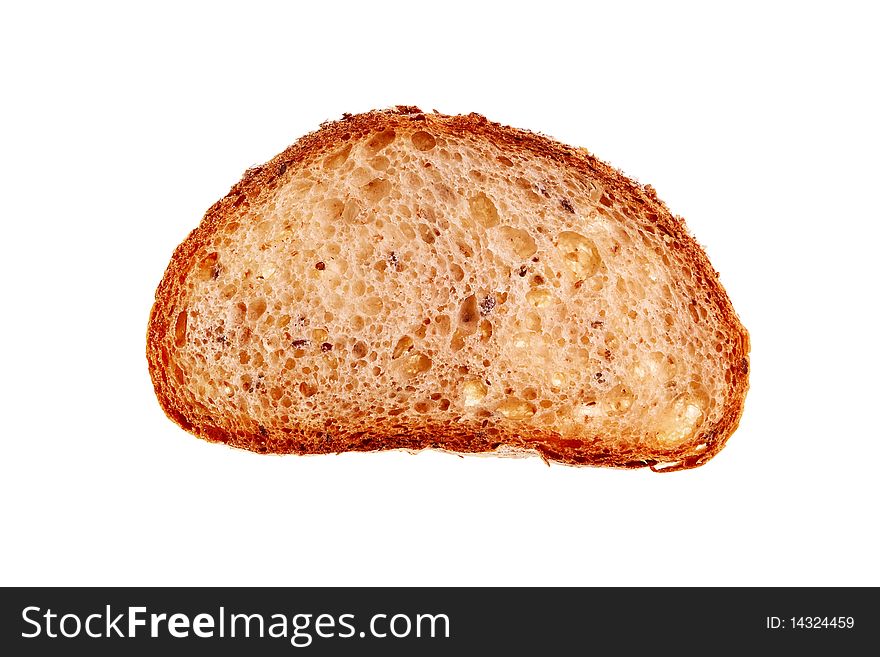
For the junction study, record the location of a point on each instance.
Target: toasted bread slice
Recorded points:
(404, 280)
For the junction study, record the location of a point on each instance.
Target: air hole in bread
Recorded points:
(513, 408)
(180, 329)
(424, 141)
(256, 309)
(539, 298)
(338, 158)
(473, 392)
(579, 254)
(517, 243)
(375, 190)
(426, 233)
(380, 140)
(483, 210)
(208, 268)
(468, 316)
(416, 364)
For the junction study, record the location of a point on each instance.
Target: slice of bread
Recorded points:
(406, 280)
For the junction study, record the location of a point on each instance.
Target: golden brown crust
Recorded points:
(637, 199)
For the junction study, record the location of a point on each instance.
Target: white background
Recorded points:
(122, 125)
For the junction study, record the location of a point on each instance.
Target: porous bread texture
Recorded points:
(410, 280)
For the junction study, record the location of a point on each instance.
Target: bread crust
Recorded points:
(342, 436)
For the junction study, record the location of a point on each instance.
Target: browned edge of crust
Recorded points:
(636, 198)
